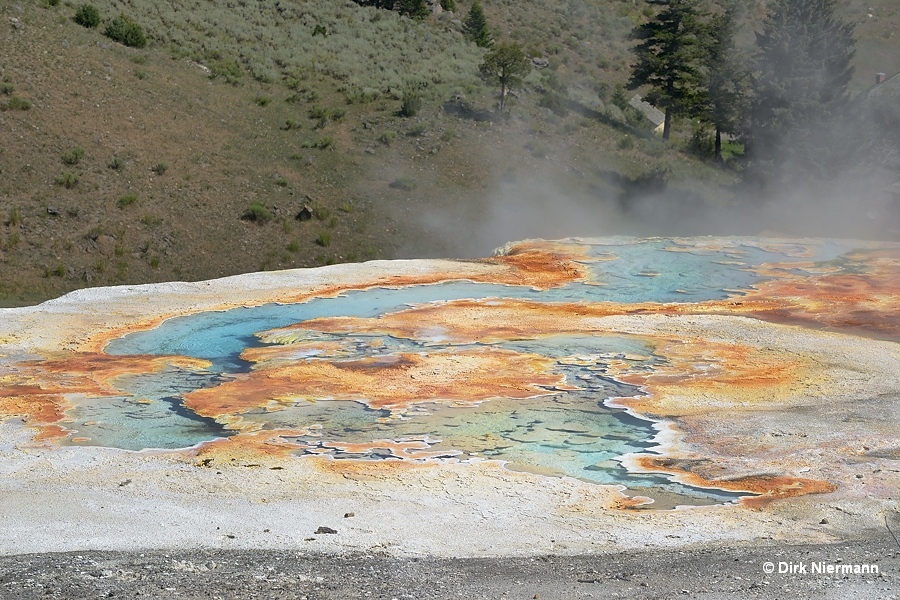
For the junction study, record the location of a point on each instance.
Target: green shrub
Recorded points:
(116, 163)
(626, 143)
(294, 246)
(323, 142)
(6, 88)
(702, 143)
(58, 271)
(258, 213)
(15, 217)
(154, 262)
(387, 137)
(324, 239)
(125, 31)
(17, 103)
(127, 200)
(555, 102)
(68, 180)
(337, 114)
(412, 104)
(160, 168)
(228, 69)
(87, 15)
(321, 212)
(404, 182)
(73, 155)
(448, 5)
(140, 74)
(318, 112)
(262, 100)
(417, 129)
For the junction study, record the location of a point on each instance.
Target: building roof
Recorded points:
(656, 116)
(890, 88)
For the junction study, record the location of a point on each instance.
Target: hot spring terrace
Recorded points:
(560, 396)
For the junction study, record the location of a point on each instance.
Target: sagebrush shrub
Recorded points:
(73, 155)
(258, 213)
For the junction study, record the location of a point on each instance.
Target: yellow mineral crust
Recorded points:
(394, 381)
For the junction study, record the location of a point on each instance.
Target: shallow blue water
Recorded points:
(570, 433)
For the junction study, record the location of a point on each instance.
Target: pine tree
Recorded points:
(415, 9)
(800, 91)
(669, 58)
(507, 65)
(476, 28)
(726, 77)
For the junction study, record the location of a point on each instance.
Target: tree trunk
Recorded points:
(718, 154)
(667, 127)
(502, 95)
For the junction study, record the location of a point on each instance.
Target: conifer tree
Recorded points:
(726, 77)
(415, 9)
(476, 28)
(507, 65)
(670, 58)
(800, 91)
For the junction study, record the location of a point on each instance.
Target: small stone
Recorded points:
(348, 515)
(370, 150)
(52, 210)
(823, 522)
(324, 529)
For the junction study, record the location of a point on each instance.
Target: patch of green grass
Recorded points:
(127, 200)
(262, 100)
(15, 217)
(68, 180)
(116, 163)
(6, 88)
(58, 271)
(731, 150)
(160, 168)
(324, 239)
(294, 246)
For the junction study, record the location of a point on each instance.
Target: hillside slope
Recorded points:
(135, 165)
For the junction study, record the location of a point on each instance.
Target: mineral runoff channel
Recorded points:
(561, 397)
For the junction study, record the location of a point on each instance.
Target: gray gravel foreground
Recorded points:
(706, 573)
